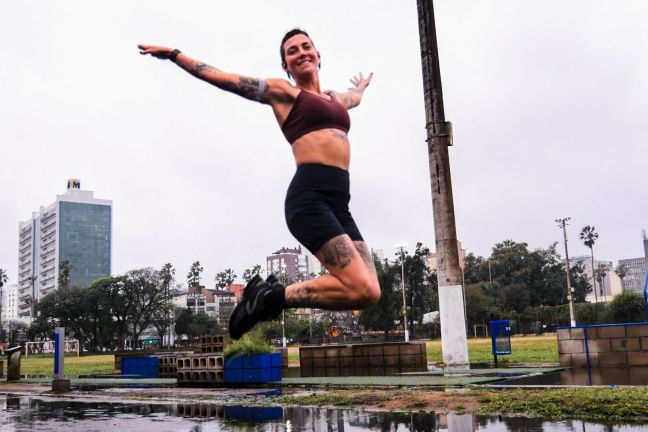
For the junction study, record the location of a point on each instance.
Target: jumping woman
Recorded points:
(316, 124)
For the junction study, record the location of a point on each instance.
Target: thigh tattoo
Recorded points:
(337, 252)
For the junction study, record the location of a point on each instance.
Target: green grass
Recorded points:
(83, 365)
(525, 350)
(629, 404)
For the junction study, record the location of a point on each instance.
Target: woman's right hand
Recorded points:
(156, 51)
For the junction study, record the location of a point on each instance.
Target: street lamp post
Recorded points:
(402, 247)
(562, 223)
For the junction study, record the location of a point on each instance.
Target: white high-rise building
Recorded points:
(9, 302)
(76, 228)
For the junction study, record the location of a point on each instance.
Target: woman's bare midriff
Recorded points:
(326, 146)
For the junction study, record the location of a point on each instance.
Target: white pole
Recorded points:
(403, 288)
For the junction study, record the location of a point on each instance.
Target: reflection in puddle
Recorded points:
(632, 376)
(29, 413)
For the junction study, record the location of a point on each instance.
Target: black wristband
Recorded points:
(174, 54)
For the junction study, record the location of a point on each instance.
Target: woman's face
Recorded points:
(301, 56)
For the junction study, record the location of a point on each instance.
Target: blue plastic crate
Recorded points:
(253, 369)
(253, 414)
(142, 367)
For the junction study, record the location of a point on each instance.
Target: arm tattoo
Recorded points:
(303, 295)
(337, 252)
(197, 69)
(246, 87)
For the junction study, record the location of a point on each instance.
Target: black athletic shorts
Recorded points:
(317, 206)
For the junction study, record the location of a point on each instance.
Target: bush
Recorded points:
(627, 307)
(250, 344)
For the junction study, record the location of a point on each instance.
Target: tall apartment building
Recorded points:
(609, 286)
(76, 228)
(291, 263)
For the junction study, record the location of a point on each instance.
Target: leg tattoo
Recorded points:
(336, 252)
(366, 255)
(303, 295)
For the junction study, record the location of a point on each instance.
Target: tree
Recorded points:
(144, 293)
(627, 307)
(225, 278)
(579, 282)
(248, 274)
(383, 315)
(193, 278)
(3, 277)
(194, 324)
(163, 316)
(622, 271)
(64, 274)
(588, 236)
(419, 289)
(600, 272)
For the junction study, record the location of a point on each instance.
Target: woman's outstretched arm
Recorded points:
(353, 97)
(264, 91)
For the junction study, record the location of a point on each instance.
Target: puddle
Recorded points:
(35, 413)
(627, 376)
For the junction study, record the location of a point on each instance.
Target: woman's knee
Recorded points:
(367, 293)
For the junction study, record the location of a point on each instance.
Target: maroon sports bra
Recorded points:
(311, 112)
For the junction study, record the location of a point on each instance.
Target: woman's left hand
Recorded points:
(360, 83)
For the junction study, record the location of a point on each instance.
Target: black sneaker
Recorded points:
(252, 308)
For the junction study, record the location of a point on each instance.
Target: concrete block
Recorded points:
(306, 372)
(567, 346)
(215, 362)
(611, 332)
(409, 349)
(346, 362)
(360, 362)
(375, 350)
(306, 362)
(625, 344)
(638, 375)
(612, 359)
(637, 330)
(390, 371)
(332, 362)
(332, 372)
(638, 359)
(410, 360)
(360, 350)
(644, 343)
(305, 353)
(599, 345)
(563, 334)
(318, 352)
(580, 359)
(391, 350)
(319, 362)
(332, 352)
(392, 360)
(377, 360)
(576, 333)
(376, 371)
(346, 351)
(565, 359)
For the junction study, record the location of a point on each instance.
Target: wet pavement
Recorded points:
(38, 413)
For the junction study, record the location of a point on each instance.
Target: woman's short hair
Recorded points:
(287, 36)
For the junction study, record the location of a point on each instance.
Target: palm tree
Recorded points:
(622, 271)
(193, 277)
(3, 277)
(589, 236)
(600, 272)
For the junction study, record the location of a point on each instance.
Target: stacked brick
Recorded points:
(604, 345)
(363, 360)
(200, 369)
(206, 368)
(213, 344)
(167, 366)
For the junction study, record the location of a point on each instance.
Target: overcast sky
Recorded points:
(547, 99)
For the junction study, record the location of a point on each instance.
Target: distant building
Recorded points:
(237, 290)
(226, 301)
(9, 302)
(609, 286)
(637, 268)
(290, 263)
(76, 228)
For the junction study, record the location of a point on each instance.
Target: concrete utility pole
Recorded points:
(439, 136)
(562, 223)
